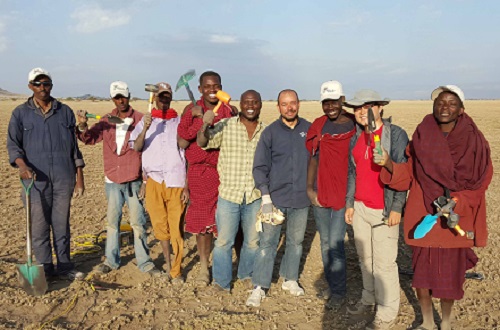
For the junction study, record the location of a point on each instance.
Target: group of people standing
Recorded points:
(232, 171)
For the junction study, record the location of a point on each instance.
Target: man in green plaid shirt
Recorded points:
(239, 199)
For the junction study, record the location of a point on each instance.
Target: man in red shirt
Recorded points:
(203, 179)
(374, 210)
(123, 177)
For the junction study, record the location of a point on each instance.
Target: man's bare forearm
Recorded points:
(139, 142)
(203, 136)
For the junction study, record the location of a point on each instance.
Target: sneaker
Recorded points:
(335, 303)
(256, 297)
(360, 308)
(103, 269)
(378, 324)
(293, 287)
(71, 275)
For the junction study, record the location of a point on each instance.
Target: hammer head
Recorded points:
(152, 88)
(223, 96)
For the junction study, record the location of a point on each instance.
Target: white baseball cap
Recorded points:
(118, 88)
(38, 72)
(331, 90)
(448, 88)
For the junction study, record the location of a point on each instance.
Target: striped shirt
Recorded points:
(235, 159)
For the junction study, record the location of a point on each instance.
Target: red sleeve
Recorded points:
(471, 205)
(314, 135)
(402, 174)
(188, 126)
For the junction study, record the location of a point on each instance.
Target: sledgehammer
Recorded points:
(223, 98)
(152, 89)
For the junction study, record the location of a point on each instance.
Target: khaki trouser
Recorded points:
(377, 247)
(165, 209)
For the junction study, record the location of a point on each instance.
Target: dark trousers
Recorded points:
(50, 205)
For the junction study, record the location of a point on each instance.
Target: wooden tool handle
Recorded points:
(217, 107)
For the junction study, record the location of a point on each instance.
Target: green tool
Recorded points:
(184, 81)
(112, 119)
(31, 277)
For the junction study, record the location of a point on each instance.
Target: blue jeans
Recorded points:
(118, 194)
(296, 223)
(228, 217)
(332, 228)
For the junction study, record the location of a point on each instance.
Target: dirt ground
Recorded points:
(129, 299)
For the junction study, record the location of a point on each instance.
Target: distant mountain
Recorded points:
(90, 97)
(7, 94)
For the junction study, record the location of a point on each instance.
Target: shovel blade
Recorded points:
(32, 279)
(372, 126)
(115, 119)
(425, 226)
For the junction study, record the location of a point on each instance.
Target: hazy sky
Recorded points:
(403, 50)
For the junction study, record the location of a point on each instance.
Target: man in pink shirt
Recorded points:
(164, 168)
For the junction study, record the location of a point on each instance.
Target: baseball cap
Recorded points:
(38, 72)
(163, 87)
(119, 88)
(366, 96)
(448, 88)
(331, 90)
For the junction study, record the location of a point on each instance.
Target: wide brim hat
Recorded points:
(366, 96)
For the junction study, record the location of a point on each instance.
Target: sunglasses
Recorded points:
(41, 83)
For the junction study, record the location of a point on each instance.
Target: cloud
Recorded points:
(3, 39)
(354, 19)
(92, 18)
(223, 39)
(428, 10)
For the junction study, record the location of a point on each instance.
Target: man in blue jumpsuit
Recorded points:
(41, 142)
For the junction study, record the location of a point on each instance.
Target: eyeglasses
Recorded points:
(41, 83)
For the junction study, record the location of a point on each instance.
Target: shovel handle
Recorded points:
(190, 93)
(89, 115)
(376, 139)
(27, 189)
(151, 99)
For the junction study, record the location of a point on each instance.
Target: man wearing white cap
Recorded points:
(328, 144)
(373, 209)
(41, 142)
(449, 160)
(123, 177)
(164, 170)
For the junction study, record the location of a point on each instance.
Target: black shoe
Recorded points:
(71, 275)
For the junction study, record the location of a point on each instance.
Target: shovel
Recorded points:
(184, 81)
(372, 126)
(112, 119)
(31, 277)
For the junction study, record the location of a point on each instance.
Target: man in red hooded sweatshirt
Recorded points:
(448, 155)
